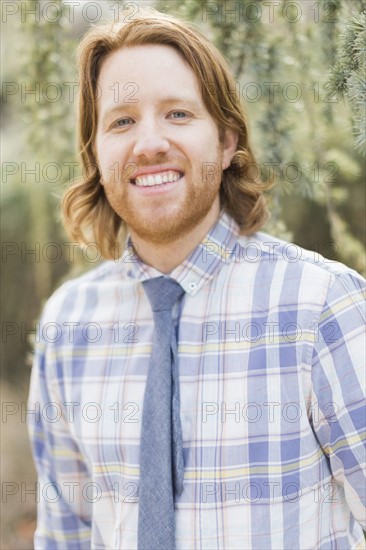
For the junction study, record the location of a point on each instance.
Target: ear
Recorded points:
(230, 143)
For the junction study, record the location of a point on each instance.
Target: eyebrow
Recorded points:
(182, 99)
(170, 100)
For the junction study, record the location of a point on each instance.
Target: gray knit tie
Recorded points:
(161, 450)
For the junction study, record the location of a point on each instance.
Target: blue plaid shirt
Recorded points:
(272, 380)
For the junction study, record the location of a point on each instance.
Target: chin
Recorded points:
(163, 232)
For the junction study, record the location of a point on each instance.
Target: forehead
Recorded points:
(148, 68)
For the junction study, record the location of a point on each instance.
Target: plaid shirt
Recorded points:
(272, 376)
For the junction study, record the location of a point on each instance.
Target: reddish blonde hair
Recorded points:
(87, 214)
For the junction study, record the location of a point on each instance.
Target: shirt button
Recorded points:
(192, 285)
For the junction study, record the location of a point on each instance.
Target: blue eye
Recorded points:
(120, 123)
(180, 113)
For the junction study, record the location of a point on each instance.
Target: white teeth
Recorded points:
(157, 179)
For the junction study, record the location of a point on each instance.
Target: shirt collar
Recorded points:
(215, 250)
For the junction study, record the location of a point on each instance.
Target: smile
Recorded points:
(160, 178)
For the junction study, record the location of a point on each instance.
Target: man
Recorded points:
(250, 435)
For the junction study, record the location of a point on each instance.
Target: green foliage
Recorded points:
(348, 74)
(44, 132)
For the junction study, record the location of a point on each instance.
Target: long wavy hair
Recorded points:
(87, 214)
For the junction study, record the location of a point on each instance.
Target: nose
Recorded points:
(150, 139)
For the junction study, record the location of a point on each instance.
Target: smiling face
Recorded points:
(157, 146)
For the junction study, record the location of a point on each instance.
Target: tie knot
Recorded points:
(163, 293)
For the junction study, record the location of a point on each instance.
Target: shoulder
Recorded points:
(295, 271)
(269, 249)
(75, 294)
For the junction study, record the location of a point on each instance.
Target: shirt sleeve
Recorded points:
(338, 378)
(64, 507)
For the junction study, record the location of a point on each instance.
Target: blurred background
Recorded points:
(299, 68)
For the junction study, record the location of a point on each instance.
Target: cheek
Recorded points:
(99, 155)
(108, 162)
(208, 146)
(115, 195)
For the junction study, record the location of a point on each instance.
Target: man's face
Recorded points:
(153, 128)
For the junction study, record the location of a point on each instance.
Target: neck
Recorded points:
(165, 258)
